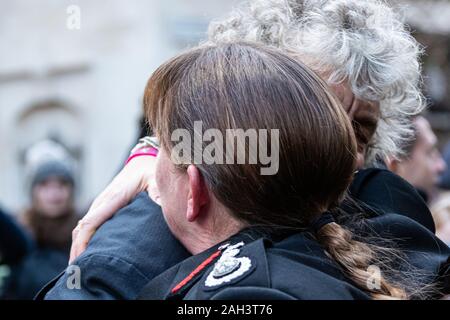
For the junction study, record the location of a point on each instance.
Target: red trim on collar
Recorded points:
(197, 270)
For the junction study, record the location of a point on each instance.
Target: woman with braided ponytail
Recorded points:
(255, 235)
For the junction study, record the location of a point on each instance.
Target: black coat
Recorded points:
(14, 242)
(387, 192)
(136, 245)
(295, 267)
(31, 266)
(35, 270)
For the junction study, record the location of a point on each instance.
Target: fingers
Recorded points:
(125, 186)
(80, 239)
(102, 209)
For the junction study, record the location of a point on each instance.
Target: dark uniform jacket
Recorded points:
(387, 192)
(136, 245)
(295, 267)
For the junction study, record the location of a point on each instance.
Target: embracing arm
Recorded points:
(133, 179)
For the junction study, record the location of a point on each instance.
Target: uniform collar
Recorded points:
(187, 267)
(202, 264)
(256, 276)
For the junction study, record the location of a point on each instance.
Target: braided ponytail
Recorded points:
(355, 258)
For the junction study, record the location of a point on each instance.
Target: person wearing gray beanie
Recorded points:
(49, 219)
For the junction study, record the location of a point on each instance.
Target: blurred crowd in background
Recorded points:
(70, 112)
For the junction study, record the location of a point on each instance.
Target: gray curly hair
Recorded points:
(363, 42)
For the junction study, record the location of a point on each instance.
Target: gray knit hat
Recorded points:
(53, 169)
(48, 159)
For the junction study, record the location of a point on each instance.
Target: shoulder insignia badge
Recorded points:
(228, 267)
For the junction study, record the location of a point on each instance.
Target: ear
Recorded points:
(198, 196)
(392, 164)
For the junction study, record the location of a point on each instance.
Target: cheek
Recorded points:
(171, 191)
(66, 194)
(38, 195)
(43, 194)
(159, 180)
(162, 175)
(433, 163)
(423, 164)
(174, 208)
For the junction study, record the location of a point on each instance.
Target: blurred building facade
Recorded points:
(83, 87)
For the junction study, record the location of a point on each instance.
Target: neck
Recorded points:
(210, 232)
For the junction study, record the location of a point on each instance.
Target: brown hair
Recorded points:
(51, 232)
(247, 86)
